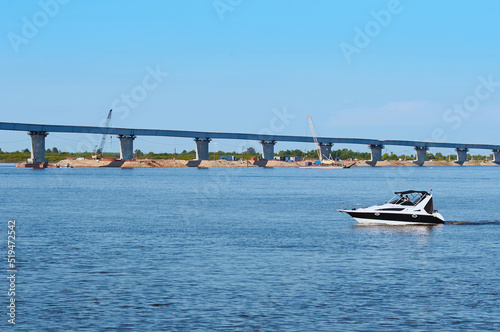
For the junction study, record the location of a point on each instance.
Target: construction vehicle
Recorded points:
(325, 160)
(99, 149)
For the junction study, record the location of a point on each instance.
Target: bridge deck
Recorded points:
(236, 136)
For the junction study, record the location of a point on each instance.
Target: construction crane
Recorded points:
(324, 161)
(99, 149)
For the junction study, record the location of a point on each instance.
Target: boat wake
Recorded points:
(478, 223)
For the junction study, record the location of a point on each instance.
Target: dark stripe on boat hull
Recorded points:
(420, 219)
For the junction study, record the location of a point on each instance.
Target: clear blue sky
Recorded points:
(233, 65)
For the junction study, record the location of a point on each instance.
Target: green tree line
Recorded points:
(437, 156)
(55, 155)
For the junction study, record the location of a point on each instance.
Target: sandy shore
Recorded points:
(143, 163)
(386, 163)
(155, 163)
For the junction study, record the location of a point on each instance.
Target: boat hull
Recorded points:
(323, 167)
(36, 166)
(395, 218)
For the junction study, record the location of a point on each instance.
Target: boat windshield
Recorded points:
(411, 198)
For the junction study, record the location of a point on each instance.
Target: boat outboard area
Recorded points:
(410, 207)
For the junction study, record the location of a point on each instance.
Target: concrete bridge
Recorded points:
(38, 132)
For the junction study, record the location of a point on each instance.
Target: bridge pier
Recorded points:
(202, 148)
(461, 155)
(496, 156)
(326, 150)
(376, 152)
(38, 147)
(126, 147)
(268, 149)
(421, 154)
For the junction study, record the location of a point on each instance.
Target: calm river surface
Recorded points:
(248, 249)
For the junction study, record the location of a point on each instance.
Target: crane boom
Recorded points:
(99, 150)
(314, 137)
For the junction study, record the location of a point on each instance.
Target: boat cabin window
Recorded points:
(410, 199)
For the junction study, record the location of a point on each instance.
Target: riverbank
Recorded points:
(169, 163)
(159, 163)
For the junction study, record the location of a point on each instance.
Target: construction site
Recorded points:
(322, 156)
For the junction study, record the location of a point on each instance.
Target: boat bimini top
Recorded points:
(410, 198)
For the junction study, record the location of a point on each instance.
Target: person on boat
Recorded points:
(401, 199)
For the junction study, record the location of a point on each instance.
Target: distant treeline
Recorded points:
(54, 155)
(437, 156)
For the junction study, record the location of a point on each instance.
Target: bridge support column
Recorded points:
(496, 156)
(268, 149)
(461, 155)
(326, 150)
(38, 147)
(126, 147)
(421, 154)
(202, 148)
(376, 152)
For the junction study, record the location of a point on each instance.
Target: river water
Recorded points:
(248, 249)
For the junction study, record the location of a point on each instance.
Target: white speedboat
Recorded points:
(409, 207)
